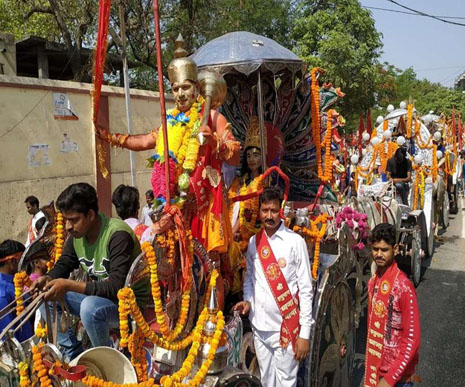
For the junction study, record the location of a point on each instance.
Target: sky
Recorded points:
(434, 49)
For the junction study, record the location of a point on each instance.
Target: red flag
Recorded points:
(100, 54)
(454, 128)
(460, 131)
(361, 129)
(369, 128)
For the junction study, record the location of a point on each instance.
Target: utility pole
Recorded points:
(127, 92)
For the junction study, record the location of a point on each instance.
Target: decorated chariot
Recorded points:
(182, 336)
(418, 220)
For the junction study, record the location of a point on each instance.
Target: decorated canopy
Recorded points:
(245, 53)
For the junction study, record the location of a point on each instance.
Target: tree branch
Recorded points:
(34, 10)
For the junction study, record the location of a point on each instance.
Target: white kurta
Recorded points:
(144, 217)
(278, 366)
(35, 218)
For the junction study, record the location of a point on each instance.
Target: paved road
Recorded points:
(441, 297)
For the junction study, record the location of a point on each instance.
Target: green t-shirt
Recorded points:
(96, 259)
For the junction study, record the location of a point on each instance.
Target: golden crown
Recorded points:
(182, 68)
(252, 136)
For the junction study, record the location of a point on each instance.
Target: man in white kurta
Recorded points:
(278, 365)
(32, 206)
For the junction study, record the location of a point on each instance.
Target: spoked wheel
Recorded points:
(248, 358)
(454, 206)
(333, 351)
(445, 211)
(415, 256)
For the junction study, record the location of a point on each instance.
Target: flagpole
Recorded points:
(156, 15)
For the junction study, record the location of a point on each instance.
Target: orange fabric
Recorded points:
(11, 256)
(216, 231)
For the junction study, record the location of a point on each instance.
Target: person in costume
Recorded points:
(32, 207)
(278, 268)
(244, 218)
(126, 201)
(393, 319)
(244, 214)
(105, 249)
(195, 170)
(10, 254)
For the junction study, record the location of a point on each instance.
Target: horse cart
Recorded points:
(417, 221)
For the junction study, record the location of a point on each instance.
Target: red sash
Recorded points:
(377, 318)
(30, 232)
(287, 304)
(139, 230)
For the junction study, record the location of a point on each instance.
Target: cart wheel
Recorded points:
(454, 207)
(445, 211)
(415, 256)
(332, 354)
(248, 358)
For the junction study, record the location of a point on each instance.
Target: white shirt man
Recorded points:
(278, 365)
(144, 216)
(32, 232)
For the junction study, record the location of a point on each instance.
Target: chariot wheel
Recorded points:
(454, 206)
(333, 349)
(445, 211)
(415, 256)
(248, 357)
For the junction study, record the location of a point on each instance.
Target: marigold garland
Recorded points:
(138, 359)
(59, 241)
(21, 279)
(40, 332)
(183, 145)
(316, 235)
(93, 381)
(409, 120)
(38, 366)
(248, 228)
(328, 170)
(156, 294)
(168, 241)
(316, 120)
(435, 163)
(24, 380)
(384, 150)
(198, 378)
(128, 306)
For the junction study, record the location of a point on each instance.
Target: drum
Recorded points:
(106, 363)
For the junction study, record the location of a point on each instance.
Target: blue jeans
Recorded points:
(403, 384)
(402, 189)
(98, 315)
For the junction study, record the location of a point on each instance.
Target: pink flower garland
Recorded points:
(158, 179)
(357, 223)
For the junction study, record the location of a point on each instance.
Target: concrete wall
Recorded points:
(41, 155)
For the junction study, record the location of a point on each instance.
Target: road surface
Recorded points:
(441, 297)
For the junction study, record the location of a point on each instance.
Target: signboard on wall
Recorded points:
(62, 107)
(38, 155)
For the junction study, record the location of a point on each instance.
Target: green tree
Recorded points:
(340, 36)
(394, 85)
